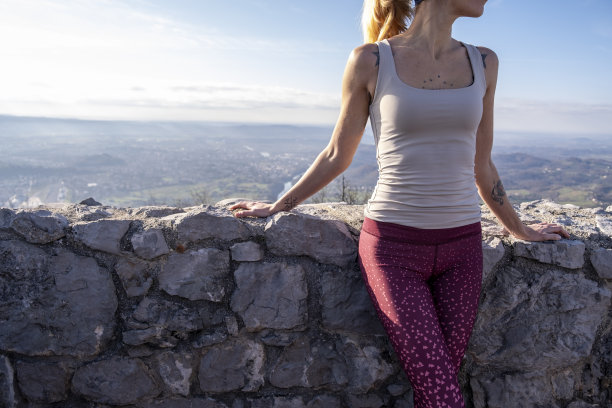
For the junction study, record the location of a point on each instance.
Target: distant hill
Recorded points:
(585, 182)
(128, 163)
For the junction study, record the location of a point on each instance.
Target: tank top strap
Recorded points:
(386, 68)
(477, 66)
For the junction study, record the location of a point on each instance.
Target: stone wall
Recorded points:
(168, 307)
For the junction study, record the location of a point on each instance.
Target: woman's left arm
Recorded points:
(489, 184)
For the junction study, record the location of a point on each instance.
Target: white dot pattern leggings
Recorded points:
(425, 285)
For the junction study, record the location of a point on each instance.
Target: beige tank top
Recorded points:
(425, 147)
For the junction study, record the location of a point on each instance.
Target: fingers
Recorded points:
(561, 231)
(556, 229)
(251, 209)
(551, 230)
(241, 204)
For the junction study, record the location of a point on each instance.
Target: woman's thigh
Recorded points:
(455, 287)
(396, 278)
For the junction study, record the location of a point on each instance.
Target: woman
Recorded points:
(429, 98)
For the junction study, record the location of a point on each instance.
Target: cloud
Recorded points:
(92, 54)
(224, 96)
(551, 116)
(186, 101)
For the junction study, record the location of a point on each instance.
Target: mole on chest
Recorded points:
(453, 72)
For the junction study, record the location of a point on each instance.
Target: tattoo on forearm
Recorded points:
(483, 59)
(290, 203)
(498, 193)
(377, 57)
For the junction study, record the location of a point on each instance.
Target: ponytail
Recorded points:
(385, 18)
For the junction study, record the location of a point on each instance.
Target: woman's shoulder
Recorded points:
(490, 63)
(366, 54)
(364, 60)
(489, 57)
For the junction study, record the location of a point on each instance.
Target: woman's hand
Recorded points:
(542, 232)
(253, 209)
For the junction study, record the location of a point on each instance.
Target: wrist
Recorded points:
(278, 206)
(520, 231)
(285, 203)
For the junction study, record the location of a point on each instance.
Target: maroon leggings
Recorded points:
(425, 285)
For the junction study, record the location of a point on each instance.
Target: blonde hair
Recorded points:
(385, 18)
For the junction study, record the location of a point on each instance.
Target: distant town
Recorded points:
(131, 164)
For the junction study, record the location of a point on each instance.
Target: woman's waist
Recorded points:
(423, 194)
(411, 230)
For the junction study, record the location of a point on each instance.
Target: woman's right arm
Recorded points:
(358, 85)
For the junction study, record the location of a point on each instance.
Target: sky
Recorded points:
(276, 61)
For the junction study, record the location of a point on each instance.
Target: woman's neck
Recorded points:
(431, 28)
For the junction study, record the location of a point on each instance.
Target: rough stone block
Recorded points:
(206, 339)
(196, 275)
(208, 222)
(303, 365)
(326, 241)
(232, 366)
(150, 244)
(42, 382)
(346, 304)
(140, 351)
(405, 402)
(537, 323)
(102, 235)
(76, 212)
(6, 217)
(366, 367)
(278, 402)
(365, 401)
(178, 402)
(231, 325)
(117, 381)
(492, 253)
(135, 277)
(59, 305)
(153, 211)
(278, 339)
(324, 401)
(563, 384)
(157, 336)
(270, 295)
(246, 252)
(565, 253)
(172, 316)
(7, 383)
(491, 228)
(176, 371)
(90, 202)
(512, 391)
(397, 389)
(582, 404)
(604, 223)
(601, 259)
(39, 227)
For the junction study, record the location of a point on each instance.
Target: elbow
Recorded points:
(482, 171)
(338, 161)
